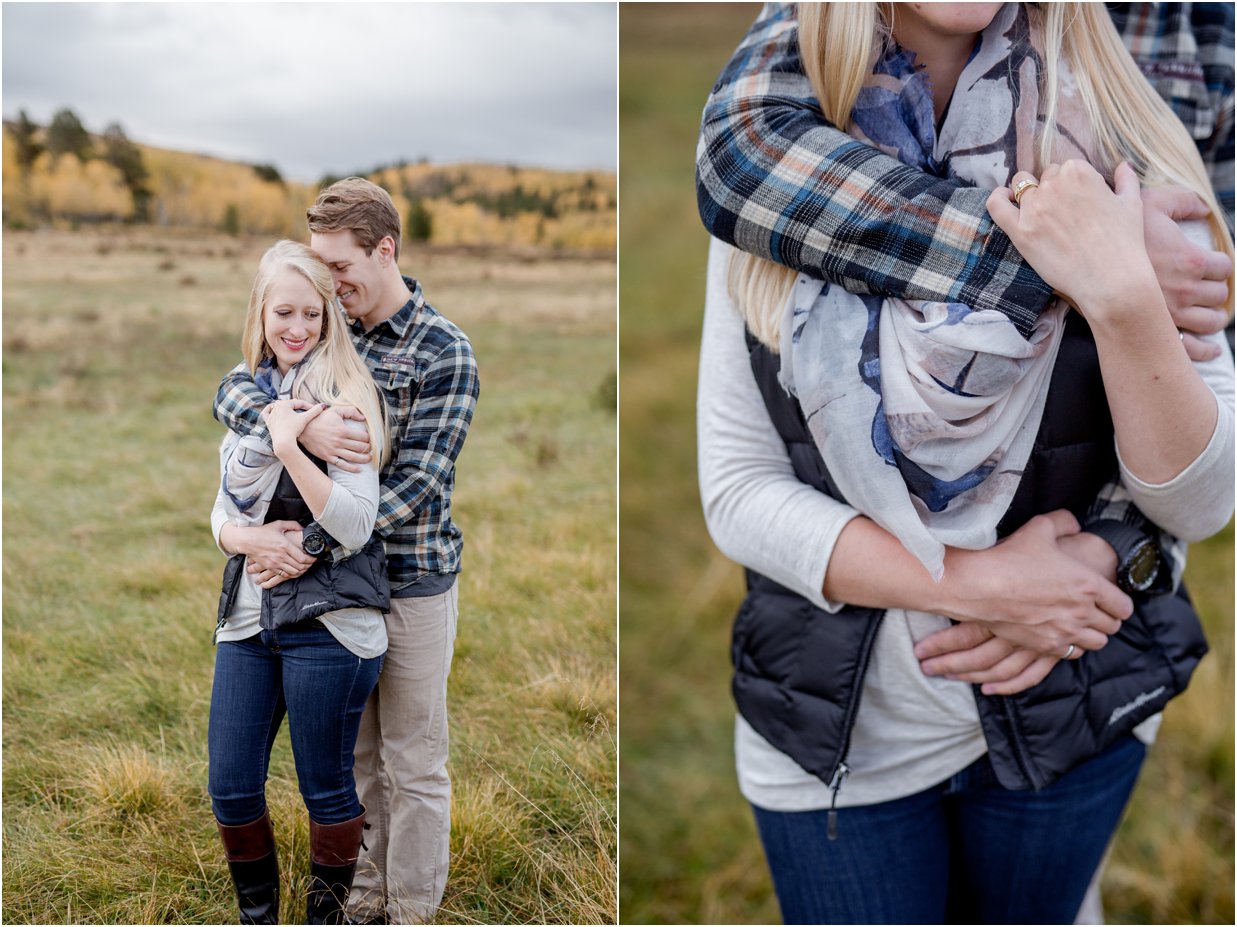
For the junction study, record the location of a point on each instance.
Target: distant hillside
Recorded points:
(63, 175)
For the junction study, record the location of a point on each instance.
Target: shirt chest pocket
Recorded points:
(399, 382)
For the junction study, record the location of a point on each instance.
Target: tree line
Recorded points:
(62, 172)
(66, 135)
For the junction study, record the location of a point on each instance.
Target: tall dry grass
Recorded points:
(114, 343)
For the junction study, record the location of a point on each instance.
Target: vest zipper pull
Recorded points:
(836, 785)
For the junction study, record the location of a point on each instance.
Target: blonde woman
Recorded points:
(903, 768)
(310, 647)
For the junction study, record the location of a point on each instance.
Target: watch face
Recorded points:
(314, 544)
(1143, 565)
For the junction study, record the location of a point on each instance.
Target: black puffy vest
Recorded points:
(799, 670)
(357, 582)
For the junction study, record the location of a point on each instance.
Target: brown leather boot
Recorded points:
(250, 849)
(333, 851)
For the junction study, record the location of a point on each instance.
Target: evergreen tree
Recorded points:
(29, 148)
(127, 158)
(67, 135)
(269, 173)
(420, 222)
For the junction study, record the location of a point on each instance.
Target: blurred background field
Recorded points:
(689, 850)
(115, 338)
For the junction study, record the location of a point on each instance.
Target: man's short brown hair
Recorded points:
(361, 207)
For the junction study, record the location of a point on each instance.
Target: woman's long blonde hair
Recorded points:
(839, 43)
(333, 372)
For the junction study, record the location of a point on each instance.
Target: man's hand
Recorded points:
(1191, 278)
(1033, 593)
(287, 419)
(269, 579)
(273, 551)
(971, 652)
(269, 574)
(329, 437)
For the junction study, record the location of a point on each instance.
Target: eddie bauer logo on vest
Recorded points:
(1122, 710)
(316, 604)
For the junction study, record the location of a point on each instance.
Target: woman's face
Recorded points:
(292, 319)
(946, 19)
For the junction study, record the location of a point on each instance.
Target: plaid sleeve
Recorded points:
(431, 438)
(775, 179)
(1185, 50)
(1115, 502)
(1213, 31)
(239, 404)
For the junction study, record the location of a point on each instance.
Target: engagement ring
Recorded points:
(1022, 187)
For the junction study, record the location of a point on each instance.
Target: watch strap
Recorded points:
(1125, 539)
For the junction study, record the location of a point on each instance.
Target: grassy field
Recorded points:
(689, 850)
(114, 342)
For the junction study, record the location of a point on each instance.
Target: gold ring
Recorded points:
(1022, 187)
(1069, 651)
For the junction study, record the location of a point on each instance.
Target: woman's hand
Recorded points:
(982, 652)
(286, 419)
(273, 551)
(1084, 239)
(1087, 242)
(1034, 593)
(972, 652)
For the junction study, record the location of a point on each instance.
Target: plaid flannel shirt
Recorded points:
(773, 178)
(425, 367)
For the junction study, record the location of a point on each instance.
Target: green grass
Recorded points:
(111, 581)
(688, 846)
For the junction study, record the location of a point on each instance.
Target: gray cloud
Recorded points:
(317, 88)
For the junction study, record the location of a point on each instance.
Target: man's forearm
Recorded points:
(773, 178)
(239, 404)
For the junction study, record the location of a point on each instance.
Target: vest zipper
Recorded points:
(841, 771)
(836, 786)
(227, 606)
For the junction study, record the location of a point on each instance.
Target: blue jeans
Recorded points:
(300, 670)
(966, 851)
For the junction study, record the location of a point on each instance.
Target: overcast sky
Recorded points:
(317, 88)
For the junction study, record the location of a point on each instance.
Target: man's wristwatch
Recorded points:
(314, 541)
(1138, 555)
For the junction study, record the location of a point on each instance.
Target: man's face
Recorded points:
(358, 276)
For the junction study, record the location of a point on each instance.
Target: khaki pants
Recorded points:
(401, 766)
